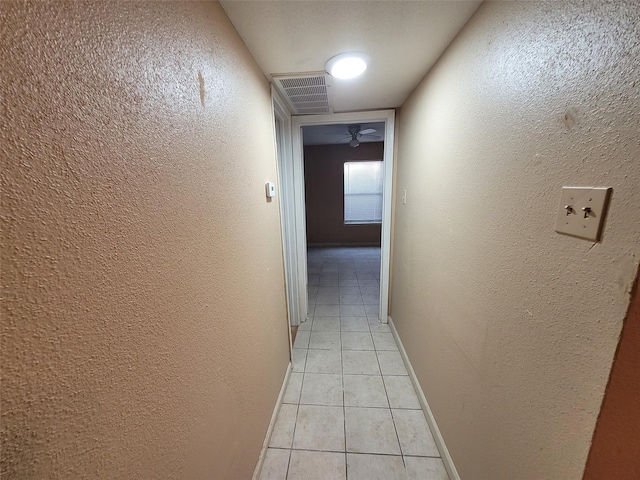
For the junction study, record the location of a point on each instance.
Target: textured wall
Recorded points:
(510, 326)
(324, 191)
(616, 441)
(144, 330)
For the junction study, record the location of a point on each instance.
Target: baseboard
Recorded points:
(274, 415)
(437, 436)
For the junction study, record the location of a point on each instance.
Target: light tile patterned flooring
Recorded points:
(350, 410)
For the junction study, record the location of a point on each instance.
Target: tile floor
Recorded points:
(350, 410)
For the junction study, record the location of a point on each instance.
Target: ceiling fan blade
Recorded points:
(372, 137)
(367, 131)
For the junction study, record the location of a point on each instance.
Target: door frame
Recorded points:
(297, 122)
(284, 163)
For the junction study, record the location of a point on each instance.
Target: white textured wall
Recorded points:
(510, 326)
(144, 330)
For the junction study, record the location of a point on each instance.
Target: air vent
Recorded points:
(307, 94)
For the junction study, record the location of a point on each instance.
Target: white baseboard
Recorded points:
(437, 436)
(274, 416)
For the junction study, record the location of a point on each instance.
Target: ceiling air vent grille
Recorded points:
(307, 94)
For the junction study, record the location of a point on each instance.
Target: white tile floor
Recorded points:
(350, 410)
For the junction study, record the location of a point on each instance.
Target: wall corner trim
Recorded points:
(274, 416)
(437, 436)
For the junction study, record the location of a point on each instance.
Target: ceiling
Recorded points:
(403, 39)
(339, 133)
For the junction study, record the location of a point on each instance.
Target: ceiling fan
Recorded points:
(355, 134)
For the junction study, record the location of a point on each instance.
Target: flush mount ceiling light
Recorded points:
(348, 65)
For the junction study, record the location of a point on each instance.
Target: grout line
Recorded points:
(395, 428)
(289, 461)
(344, 415)
(353, 406)
(381, 454)
(350, 453)
(295, 423)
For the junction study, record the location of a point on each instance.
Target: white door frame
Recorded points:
(282, 132)
(297, 122)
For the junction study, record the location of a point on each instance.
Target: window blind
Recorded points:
(363, 192)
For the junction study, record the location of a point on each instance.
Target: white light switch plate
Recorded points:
(582, 210)
(271, 189)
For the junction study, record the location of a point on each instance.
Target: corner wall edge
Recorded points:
(426, 409)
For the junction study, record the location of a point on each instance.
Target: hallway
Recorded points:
(350, 410)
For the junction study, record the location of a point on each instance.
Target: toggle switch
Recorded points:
(582, 211)
(271, 189)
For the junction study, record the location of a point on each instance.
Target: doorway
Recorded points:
(343, 123)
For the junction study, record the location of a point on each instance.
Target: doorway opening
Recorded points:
(343, 174)
(343, 177)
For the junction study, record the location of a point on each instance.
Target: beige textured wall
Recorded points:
(144, 329)
(510, 326)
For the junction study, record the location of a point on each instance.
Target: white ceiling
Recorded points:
(403, 38)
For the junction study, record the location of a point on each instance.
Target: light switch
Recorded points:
(582, 210)
(271, 190)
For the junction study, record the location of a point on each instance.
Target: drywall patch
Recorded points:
(571, 117)
(627, 275)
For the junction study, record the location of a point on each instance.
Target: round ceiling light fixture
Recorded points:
(348, 65)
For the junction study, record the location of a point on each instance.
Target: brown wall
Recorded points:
(144, 330)
(324, 189)
(511, 327)
(615, 451)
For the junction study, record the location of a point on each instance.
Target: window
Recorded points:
(363, 192)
